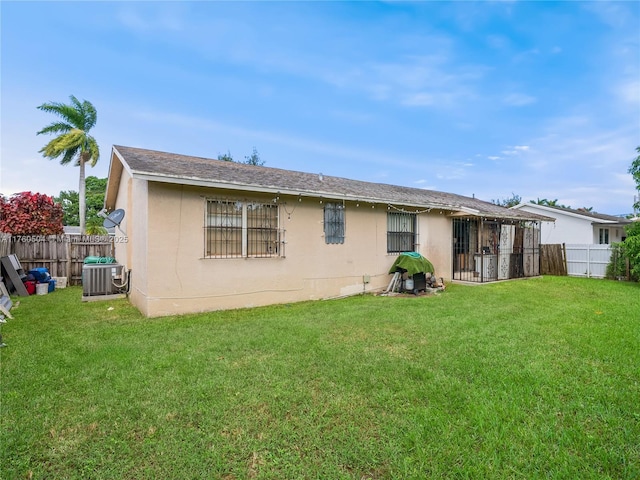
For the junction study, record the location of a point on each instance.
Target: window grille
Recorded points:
(334, 223)
(401, 232)
(262, 230)
(236, 229)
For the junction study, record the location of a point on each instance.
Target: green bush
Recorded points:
(632, 249)
(626, 255)
(618, 265)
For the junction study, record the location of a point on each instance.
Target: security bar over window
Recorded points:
(237, 229)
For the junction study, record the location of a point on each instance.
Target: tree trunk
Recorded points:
(82, 210)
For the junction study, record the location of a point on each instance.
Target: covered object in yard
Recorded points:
(417, 269)
(412, 263)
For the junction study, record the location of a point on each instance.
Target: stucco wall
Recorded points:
(436, 240)
(178, 279)
(131, 238)
(569, 228)
(566, 229)
(615, 233)
(123, 200)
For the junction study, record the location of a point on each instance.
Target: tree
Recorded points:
(631, 247)
(632, 242)
(95, 226)
(225, 157)
(549, 203)
(544, 201)
(254, 158)
(73, 142)
(29, 213)
(508, 202)
(69, 199)
(634, 170)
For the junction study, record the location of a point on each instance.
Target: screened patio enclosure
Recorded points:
(491, 250)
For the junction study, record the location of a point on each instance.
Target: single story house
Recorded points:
(205, 234)
(577, 226)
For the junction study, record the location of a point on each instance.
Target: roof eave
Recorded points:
(116, 165)
(199, 182)
(496, 216)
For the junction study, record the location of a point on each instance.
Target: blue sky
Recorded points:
(538, 99)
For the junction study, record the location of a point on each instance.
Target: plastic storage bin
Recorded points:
(40, 274)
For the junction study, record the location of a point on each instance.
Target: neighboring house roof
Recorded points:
(186, 170)
(595, 218)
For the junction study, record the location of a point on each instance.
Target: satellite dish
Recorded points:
(114, 219)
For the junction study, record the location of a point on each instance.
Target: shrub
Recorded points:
(618, 264)
(29, 213)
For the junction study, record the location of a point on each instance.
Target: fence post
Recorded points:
(5, 244)
(628, 268)
(69, 248)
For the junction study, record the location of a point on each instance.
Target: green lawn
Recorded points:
(536, 378)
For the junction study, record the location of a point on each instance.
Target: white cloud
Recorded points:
(419, 81)
(629, 92)
(509, 152)
(419, 100)
(498, 42)
(177, 122)
(614, 14)
(577, 162)
(167, 18)
(353, 116)
(518, 99)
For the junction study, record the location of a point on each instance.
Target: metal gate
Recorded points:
(489, 250)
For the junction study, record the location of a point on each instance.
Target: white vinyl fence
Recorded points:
(588, 260)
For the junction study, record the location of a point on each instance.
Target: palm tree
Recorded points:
(549, 203)
(73, 142)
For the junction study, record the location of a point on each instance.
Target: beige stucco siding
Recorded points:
(123, 200)
(436, 239)
(131, 238)
(139, 231)
(172, 276)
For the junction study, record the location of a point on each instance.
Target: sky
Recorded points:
(488, 99)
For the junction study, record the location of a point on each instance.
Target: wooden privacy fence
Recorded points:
(553, 259)
(575, 260)
(5, 244)
(62, 255)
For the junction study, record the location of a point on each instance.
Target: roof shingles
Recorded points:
(187, 169)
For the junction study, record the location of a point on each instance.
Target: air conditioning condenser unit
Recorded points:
(101, 281)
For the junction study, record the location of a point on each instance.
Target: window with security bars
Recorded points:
(235, 229)
(401, 232)
(334, 223)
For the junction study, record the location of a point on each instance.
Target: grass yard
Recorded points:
(526, 379)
